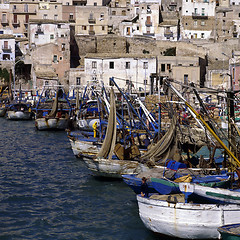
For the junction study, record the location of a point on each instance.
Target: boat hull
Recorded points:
(19, 115)
(112, 168)
(51, 123)
(84, 147)
(186, 220)
(135, 183)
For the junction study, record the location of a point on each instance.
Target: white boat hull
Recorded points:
(113, 168)
(84, 147)
(51, 123)
(186, 220)
(19, 115)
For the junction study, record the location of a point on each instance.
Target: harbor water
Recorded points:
(47, 193)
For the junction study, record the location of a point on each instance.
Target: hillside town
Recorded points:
(138, 42)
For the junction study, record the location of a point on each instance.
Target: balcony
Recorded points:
(7, 49)
(16, 23)
(39, 31)
(92, 20)
(199, 16)
(168, 34)
(148, 24)
(91, 32)
(71, 20)
(5, 22)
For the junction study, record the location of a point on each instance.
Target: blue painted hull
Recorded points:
(165, 186)
(135, 183)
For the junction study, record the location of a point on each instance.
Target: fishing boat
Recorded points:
(230, 232)
(19, 111)
(56, 118)
(210, 194)
(171, 216)
(134, 182)
(106, 163)
(84, 144)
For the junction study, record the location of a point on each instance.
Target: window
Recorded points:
(45, 16)
(224, 14)
(195, 23)
(71, 16)
(78, 81)
(202, 23)
(202, 35)
(103, 28)
(94, 64)
(46, 83)
(102, 16)
(55, 17)
(55, 6)
(203, 11)
(195, 11)
(186, 79)
(51, 36)
(111, 65)
(123, 13)
(95, 4)
(113, 12)
(55, 58)
(84, 27)
(25, 8)
(14, 7)
(145, 65)
(162, 67)
(63, 47)
(127, 65)
(60, 58)
(168, 66)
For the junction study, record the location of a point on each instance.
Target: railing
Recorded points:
(39, 31)
(92, 20)
(199, 16)
(91, 32)
(7, 48)
(168, 34)
(15, 22)
(148, 24)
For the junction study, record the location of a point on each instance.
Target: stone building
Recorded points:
(91, 20)
(51, 37)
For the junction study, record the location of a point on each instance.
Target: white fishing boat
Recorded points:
(51, 123)
(84, 146)
(113, 168)
(210, 194)
(19, 111)
(171, 216)
(56, 119)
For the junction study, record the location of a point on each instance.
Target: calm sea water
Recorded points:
(47, 193)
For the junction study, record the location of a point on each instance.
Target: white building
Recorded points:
(128, 70)
(198, 18)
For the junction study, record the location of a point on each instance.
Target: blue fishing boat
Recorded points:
(230, 232)
(135, 182)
